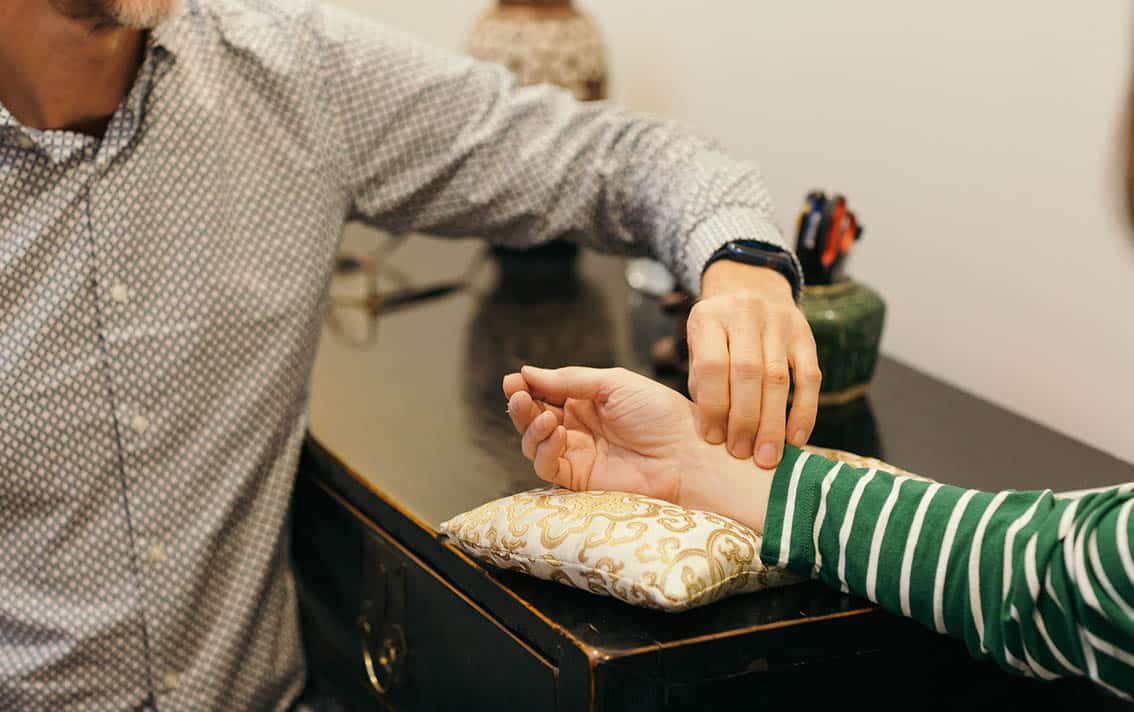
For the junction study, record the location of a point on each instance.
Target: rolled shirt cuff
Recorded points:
(792, 508)
(727, 225)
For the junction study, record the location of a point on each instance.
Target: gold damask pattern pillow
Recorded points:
(643, 551)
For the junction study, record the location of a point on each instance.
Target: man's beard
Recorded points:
(138, 14)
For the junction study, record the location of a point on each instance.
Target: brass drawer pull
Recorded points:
(383, 656)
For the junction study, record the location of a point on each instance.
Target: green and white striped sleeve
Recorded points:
(1040, 582)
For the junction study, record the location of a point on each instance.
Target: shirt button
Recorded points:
(155, 554)
(139, 424)
(120, 293)
(170, 680)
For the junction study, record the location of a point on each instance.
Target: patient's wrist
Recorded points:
(715, 481)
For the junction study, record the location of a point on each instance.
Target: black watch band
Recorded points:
(761, 254)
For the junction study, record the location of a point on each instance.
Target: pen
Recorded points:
(833, 236)
(813, 239)
(846, 242)
(814, 217)
(802, 223)
(809, 231)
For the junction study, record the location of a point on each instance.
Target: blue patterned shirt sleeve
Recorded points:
(440, 143)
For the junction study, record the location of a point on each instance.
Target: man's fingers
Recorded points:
(556, 386)
(746, 380)
(540, 429)
(773, 411)
(548, 455)
(709, 373)
(808, 379)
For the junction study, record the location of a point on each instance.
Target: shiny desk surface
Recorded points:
(416, 420)
(419, 413)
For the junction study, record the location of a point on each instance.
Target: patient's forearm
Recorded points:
(1042, 584)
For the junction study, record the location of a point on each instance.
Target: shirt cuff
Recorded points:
(792, 507)
(735, 223)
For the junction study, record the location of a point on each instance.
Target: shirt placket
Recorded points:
(112, 297)
(120, 304)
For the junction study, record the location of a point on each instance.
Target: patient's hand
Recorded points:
(612, 429)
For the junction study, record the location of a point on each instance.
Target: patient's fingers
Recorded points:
(549, 453)
(537, 432)
(513, 383)
(555, 386)
(523, 410)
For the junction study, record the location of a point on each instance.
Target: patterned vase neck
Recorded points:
(543, 41)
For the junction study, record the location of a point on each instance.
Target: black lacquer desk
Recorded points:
(409, 428)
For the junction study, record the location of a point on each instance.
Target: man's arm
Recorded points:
(439, 143)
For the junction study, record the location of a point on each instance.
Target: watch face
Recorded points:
(760, 250)
(751, 254)
(776, 259)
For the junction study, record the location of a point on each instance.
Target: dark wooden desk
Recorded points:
(410, 429)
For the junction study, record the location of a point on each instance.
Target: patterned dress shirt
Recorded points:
(161, 293)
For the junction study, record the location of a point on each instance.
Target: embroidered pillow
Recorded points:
(643, 551)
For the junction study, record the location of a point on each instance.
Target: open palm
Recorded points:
(611, 429)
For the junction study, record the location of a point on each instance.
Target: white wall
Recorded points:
(977, 141)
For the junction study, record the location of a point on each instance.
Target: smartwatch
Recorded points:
(762, 254)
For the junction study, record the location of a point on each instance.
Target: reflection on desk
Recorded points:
(571, 327)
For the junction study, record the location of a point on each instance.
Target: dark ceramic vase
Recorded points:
(847, 319)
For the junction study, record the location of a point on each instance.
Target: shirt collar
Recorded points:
(174, 34)
(6, 118)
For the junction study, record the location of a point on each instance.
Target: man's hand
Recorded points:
(746, 338)
(614, 430)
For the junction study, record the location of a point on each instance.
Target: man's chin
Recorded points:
(103, 14)
(142, 14)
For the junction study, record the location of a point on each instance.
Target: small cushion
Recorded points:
(861, 462)
(643, 551)
(646, 552)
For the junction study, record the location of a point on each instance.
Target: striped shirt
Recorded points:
(1042, 583)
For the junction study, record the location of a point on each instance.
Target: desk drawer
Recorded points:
(391, 633)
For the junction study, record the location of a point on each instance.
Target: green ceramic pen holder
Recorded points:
(846, 318)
